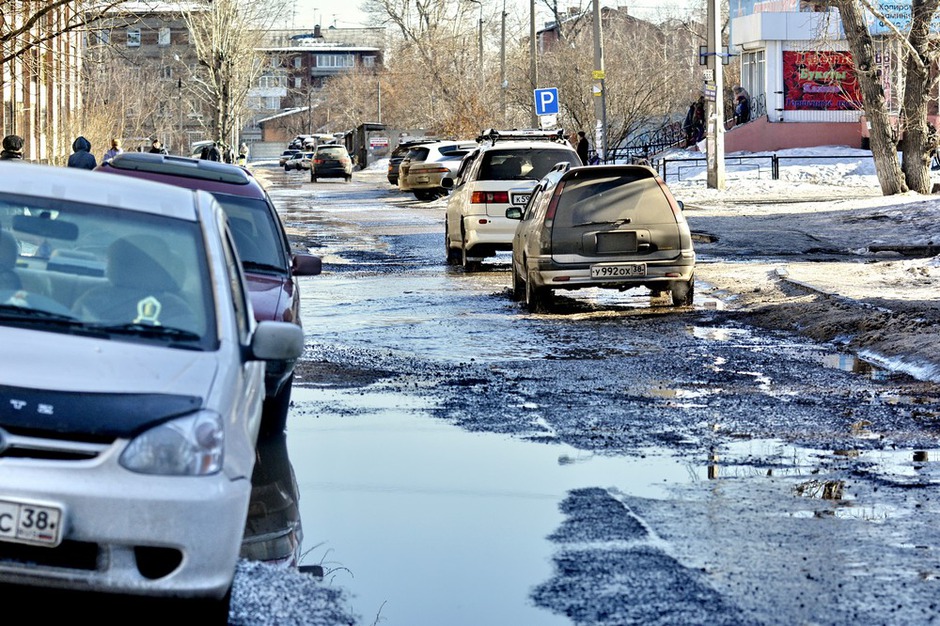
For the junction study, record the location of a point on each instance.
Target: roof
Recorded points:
(185, 172)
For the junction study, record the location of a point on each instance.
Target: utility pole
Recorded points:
(600, 96)
(533, 63)
(715, 139)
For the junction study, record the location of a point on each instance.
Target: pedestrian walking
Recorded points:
(81, 156)
(12, 148)
(113, 151)
(582, 147)
(742, 110)
(698, 120)
(213, 153)
(689, 125)
(156, 147)
(243, 154)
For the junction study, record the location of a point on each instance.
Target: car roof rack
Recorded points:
(180, 166)
(493, 135)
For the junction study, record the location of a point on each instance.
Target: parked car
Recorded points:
(133, 389)
(608, 226)
(398, 154)
(300, 161)
(423, 168)
(331, 161)
(271, 267)
(500, 173)
(286, 156)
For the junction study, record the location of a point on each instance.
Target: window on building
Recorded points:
(368, 61)
(166, 72)
(336, 60)
(298, 62)
(163, 36)
(272, 103)
(298, 82)
(753, 71)
(133, 37)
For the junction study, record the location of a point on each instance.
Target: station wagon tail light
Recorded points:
(489, 197)
(672, 201)
(435, 170)
(553, 204)
(186, 446)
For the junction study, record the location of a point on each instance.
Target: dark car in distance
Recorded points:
(331, 161)
(270, 266)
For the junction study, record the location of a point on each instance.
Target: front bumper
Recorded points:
(128, 533)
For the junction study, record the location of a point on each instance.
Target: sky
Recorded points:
(347, 13)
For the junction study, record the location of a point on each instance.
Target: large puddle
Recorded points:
(426, 524)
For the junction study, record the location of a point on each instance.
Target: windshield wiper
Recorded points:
(147, 330)
(255, 265)
(11, 312)
(615, 223)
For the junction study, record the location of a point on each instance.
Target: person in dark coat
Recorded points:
(81, 155)
(157, 147)
(582, 147)
(213, 154)
(12, 148)
(742, 110)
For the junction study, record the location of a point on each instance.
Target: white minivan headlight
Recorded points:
(187, 446)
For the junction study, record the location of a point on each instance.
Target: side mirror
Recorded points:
(277, 341)
(447, 182)
(681, 205)
(514, 213)
(306, 265)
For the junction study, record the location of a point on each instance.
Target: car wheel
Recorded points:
(465, 262)
(275, 409)
(518, 285)
(683, 293)
(453, 255)
(424, 196)
(537, 299)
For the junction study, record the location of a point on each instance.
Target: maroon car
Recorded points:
(270, 266)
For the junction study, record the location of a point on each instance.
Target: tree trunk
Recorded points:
(883, 139)
(919, 134)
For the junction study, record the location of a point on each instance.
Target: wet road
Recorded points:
(462, 461)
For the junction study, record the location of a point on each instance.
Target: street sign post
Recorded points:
(546, 101)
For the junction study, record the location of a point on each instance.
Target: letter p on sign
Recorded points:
(546, 101)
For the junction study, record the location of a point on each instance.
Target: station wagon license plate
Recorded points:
(27, 522)
(519, 199)
(618, 270)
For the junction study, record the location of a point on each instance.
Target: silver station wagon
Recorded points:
(608, 226)
(131, 388)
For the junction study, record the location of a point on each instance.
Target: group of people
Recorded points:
(694, 124)
(83, 158)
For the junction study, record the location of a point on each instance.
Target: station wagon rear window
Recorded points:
(611, 199)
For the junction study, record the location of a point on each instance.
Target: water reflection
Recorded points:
(273, 532)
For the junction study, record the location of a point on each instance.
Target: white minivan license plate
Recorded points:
(27, 522)
(519, 199)
(621, 270)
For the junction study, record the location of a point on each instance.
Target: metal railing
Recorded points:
(761, 162)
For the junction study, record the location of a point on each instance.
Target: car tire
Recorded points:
(518, 285)
(683, 292)
(274, 411)
(466, 263)
(537, 299)
(424, 196)
(452, 254)
(313, 179)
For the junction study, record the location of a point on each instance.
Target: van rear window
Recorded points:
(613, 198)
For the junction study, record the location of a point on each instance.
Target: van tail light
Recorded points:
(489, 197)
(676, 211)
(553, 203)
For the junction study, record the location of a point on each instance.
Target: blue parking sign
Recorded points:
(546, 101)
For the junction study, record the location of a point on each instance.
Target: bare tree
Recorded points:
(914, 133)
(226, 35)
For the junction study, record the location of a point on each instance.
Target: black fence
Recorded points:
(763, 163)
